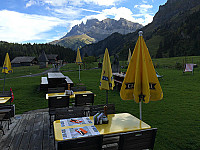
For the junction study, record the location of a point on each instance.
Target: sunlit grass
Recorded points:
(176, 116)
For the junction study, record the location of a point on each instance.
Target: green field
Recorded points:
(176, 116)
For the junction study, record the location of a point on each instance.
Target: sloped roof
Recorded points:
(52, 56)
(23, 59)
(43, 57)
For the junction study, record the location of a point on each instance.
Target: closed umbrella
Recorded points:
(141, 82)
(106, 81)
(78, 61)
(6, 68)
(129, 56)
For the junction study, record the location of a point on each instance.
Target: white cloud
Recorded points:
(30, 3)
(73, 2)
(56, 2)
(19, 27)
(103, 2)
(68, 11)
(117, 13)
(143, 8)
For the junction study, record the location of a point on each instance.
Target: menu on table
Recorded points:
(75, 121)
(79, 132)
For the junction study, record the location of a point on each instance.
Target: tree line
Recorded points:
(34, 50)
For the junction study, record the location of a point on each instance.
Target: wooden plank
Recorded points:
(55, 75)
(25, 141)
(44, 80)
(28, 131)
(14, 121)
(37, 133)
(68, 80)
(15, 143)
(48, 140)
(6, 140)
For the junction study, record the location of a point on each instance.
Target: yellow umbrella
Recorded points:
(78, 61)
(129, 56)
(141, 82)
(106, 81)
(6, 67)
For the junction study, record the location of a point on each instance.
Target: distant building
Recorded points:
(43, 61)
(23, 61)
(52, 58)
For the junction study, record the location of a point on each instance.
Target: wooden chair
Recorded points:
(56, 102)
(65, 113)
(100, 108)
(84, 99)
(138, 140)
(56, 90)
(1, 126)
(84, 143)
(189, 68)
(6, 109)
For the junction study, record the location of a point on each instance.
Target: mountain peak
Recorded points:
(96, 31)
(99, 30)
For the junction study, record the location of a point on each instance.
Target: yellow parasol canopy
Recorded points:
(141, 81)
(107, 81)
(129, 56)
(78, 58)
(7, 65)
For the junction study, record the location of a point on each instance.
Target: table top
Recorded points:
(119, 75)
(55, 75)
(3, 100)
(118, 123)
(63, 94)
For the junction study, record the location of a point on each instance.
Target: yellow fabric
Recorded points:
(118, 123)
(78, 58)
(3, 100)
(107, 81)
(63, 94)
(7, 65)
(129, 56)
(141, 77)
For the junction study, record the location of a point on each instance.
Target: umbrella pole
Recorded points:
(106, 97)
(141, 98)
(79, 73)
(4, 82)
(140, 110)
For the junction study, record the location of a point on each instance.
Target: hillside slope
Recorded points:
(74, 42)
(174, 31)
(96, 31)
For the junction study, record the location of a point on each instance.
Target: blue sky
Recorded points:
(42, 21)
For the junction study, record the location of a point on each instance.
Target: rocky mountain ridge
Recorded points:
(174, 31)
(97, 30)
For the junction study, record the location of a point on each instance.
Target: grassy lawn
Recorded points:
(24, 70)
(176, 116)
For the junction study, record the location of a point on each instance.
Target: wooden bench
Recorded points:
(69, 82)
(44, 83)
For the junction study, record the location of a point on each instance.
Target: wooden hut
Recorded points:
(43, 61)
(23, 61)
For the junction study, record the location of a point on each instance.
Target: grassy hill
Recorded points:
(74, 42)
(174, 32)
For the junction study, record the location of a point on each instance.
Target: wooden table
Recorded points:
(63, 94)
(3, 100)
(118, 123)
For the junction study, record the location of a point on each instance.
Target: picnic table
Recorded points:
(64, 94)
(118, 123)
(3, 100)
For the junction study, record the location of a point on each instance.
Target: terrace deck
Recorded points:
(31, 131)
(28, 131)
